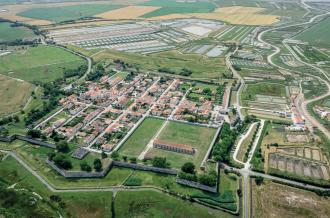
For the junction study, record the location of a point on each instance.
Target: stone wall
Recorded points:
(196, 185)
(26, 139)
(145, 168)
(80, 174)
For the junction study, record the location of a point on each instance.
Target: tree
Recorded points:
(207, 91)
(34, 133)
(85, 167)
(104, 155)
(132, 159)
(188, 168)
(114, 155)
(259, 180)
(124, 158)
(160, 162)
(97, 165)
(209, 179)
(61, 161)
(62, 147)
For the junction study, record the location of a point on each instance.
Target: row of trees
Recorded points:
(183, 71)
(221, 150)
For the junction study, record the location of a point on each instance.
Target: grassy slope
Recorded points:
(202, 67)
(42, 63)
(318, 34)
(140, 138)
(154, 204)
(74, 12)
(98, 204)
(13, 94)
(8, 33)
(173, 7)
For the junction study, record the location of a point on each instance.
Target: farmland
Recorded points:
(173, 7)
(41, 63)
(129, 12)
(66, 13)
(13, 94)
(9, 33)
(317, 34)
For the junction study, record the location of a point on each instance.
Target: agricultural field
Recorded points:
(202, 67)
(141, 137)
(310, 55)
(67, 13)
(317, 34)
(41, 63)
(196, 136)
(272, 199)
(9, 33)
(126, 13)
(175, 7)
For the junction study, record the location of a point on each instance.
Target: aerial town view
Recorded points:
(165, 108)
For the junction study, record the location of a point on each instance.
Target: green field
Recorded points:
(8, 33)
(41, 63)
(195, 136)
(271, 89)
(67, 13)
(174, 7)
(13, 94)
(318, 34)
(140, 138)
(154, 204)
(201, 67)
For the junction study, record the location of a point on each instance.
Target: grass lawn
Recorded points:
(87, 204)
(154, 204)
(195, 136)
(271, 89)
(13, 94)
(66, 13)
(201, 67)
(318, 34)
(8, 33)
(140, 138)
(176, 7)
(41, 63)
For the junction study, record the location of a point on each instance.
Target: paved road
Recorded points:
(240, 80)
(246, 168)
(243, 137)
(303, 102)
